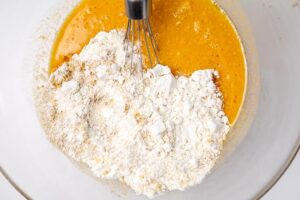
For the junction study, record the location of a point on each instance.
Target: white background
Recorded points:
(287, 187)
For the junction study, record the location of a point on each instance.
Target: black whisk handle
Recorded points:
(138, 9)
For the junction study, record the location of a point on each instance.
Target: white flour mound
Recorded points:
(150, 130)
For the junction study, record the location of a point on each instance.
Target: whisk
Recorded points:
(138, 13)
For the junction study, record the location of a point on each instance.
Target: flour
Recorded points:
(148, 129)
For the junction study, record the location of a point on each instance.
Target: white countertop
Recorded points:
(286, 188)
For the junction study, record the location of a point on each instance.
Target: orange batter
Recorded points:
(191, 35)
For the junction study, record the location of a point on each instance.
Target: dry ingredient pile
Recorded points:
(148, 129)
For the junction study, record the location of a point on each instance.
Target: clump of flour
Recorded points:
(148, 129)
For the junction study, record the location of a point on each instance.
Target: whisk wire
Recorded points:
(132, 43)
(126, 39)
(152, 35)
(146, 42)
(153, 41)
(139, 43)
(127, 31)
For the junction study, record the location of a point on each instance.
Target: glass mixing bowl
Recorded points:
(259, 148)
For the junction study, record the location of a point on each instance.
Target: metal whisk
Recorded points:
(138, 13)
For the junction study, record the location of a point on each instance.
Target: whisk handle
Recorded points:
(138, 9)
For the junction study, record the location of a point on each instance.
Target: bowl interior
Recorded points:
(263, 139)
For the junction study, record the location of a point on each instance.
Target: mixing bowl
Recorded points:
(259, 148)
